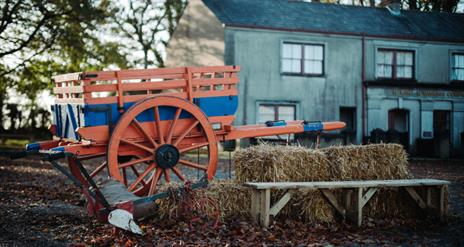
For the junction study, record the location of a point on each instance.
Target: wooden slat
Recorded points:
(280, 204)
(72, 89)
(131, 98)
(333, 201)
(416, 197)
(348, 184)
(209, 93)
(66, 77)
(214, 69)
(69, 101)
(214, 81)
(136, 74)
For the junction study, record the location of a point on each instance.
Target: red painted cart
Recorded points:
(144, 125)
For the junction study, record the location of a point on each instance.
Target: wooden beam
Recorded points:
(347, 184)
(280, 204)
(265, 201)
(333, 201)
(255, 204)
(366, 197)
(416, 197)
(442, 207)
(359, 206)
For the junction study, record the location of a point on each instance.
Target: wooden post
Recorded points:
(255, 204)
(359, 206)
(429, 197)
(442, 207)
(265, 202)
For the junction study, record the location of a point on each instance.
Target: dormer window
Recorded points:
(395, 64)
(457, 67)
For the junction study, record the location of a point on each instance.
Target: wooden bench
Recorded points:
(261, 208)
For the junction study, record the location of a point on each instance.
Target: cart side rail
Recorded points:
(107, 87)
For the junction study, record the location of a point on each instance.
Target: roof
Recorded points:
(338, 19)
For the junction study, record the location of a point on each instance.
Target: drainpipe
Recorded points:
(363, 86)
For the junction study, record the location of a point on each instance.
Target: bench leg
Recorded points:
(441, 200)
(255, 204)
(265, 207)
(260, 206)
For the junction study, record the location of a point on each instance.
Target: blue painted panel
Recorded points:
(218, 106)
(104, 114)
(313, 126)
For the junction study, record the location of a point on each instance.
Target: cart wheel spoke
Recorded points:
(141, 177)
(154, 182)
(137, 174)
(158, 125)
(193, 165)
(124, 174)
(195, 146)
(133, 162)
(185, 133)
(167, 175)
(173, 125)
(137, 145)
(144, 132)
(178, 174)
(99, 169)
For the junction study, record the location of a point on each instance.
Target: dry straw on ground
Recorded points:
(270, 163)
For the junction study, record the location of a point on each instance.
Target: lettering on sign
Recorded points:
(408, 92)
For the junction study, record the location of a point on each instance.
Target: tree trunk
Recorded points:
(145, 58)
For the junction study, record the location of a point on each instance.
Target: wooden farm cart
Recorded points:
(352, 206)
(143, 126)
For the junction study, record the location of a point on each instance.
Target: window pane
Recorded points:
(386, 57)
(388, 71)
(318, 53)
(408, 72)
(461, 61)
(381, 58)
(287, 51)
(296, 51)
(286, 113)
(296, 66)
(313, 67)
(400, 72)
(266, 113)
(409, 58)
(400, 58)
(286, 65)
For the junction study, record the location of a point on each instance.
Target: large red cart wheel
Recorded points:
(155, 138)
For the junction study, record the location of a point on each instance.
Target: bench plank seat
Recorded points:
(346, 184)
(261, 208)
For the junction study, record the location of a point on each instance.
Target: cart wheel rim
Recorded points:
(161, 147)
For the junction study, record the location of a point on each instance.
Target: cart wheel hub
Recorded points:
(167, 156)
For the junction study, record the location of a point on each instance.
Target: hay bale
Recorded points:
(368, 162)
(271, 163)
(225, 197)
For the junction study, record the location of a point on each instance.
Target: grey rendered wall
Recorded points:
(198, 39)
(432, 65)
(317, 98)
(432, 59)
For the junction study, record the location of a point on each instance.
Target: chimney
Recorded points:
(393, 6)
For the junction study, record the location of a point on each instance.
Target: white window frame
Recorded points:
(453, 67)
(303, 59)
(394, 64)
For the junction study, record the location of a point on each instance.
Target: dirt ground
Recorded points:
(39, 207)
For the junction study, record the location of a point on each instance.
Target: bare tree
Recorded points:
(147, 26)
